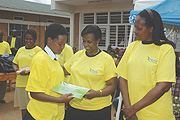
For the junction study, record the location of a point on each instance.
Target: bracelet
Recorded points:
(100, 92)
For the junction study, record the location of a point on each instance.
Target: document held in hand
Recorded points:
(25, 68)
(64, 88)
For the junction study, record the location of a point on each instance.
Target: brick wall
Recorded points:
(32, 18)
(40, 34)
(4, 28)
(76, 31)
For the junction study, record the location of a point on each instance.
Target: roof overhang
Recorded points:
(87, 6)
(33, 12)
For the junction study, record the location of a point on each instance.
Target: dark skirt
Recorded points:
(77, 114)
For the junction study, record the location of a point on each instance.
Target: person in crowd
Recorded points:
(65, 55)
(116, 60)
(15, 42)
(23, 58)
(45, 73)
(121, 52)
(116, 52)
(109, 49)
(94, 69)
(176, 87)
(147, 71)
(112, 53)
(4, 48)
(74, 50)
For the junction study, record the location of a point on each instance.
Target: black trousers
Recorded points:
(2, 89)
(77, 114)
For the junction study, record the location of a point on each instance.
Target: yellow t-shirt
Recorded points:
(65, 55)
(92, 73)
(45, 74)
(13, 41)
(24, 57)
(4, 48)
(144, 65)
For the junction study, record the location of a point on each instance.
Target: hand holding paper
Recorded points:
(25, 70)
(64, 88)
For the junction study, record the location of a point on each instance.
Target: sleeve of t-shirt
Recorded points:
(38, 49)
(37, 79)
(16, 56)
(68, 64)
(8, 49)
(69, 53)
(109, 68)
(122, 66)
(166, 66)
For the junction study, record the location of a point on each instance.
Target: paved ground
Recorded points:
(7, 111)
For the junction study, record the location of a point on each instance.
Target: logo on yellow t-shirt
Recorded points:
(31, 56)
(93, 71)
(152, 60)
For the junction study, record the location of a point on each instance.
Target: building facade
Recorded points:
(20, 19)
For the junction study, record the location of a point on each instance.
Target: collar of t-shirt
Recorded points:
(50, 53)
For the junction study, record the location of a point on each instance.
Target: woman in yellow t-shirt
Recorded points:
(23, 58)
(94, 69)
(147, 71)
(45, 73)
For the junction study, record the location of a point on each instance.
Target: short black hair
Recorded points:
(153, 19)
(31, 32)
(113, 51)
(92, 29)
(54, 30)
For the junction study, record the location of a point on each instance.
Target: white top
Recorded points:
(50, 53)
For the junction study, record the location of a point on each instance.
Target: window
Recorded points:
(20, 28)
(68, 35)
(113, 33)
(103, 40)
(18, 18)
(115, 17)
(119, 35)
(89, 18)
(115, 27)
(126, 16)
(102, 18)
(50, 21)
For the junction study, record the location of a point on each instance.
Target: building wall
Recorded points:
(34, 21)
(76, 31)
(4, 28)
(100, 8)
(32, 17)
(40, 34)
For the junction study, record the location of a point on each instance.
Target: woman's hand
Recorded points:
(129, 113)
(91, 94)
(24, 72)
(66, 98)
(47, 98)
(133, 117)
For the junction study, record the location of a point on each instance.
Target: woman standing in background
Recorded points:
(23, 58)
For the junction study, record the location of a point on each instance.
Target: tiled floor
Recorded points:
(8, 112)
